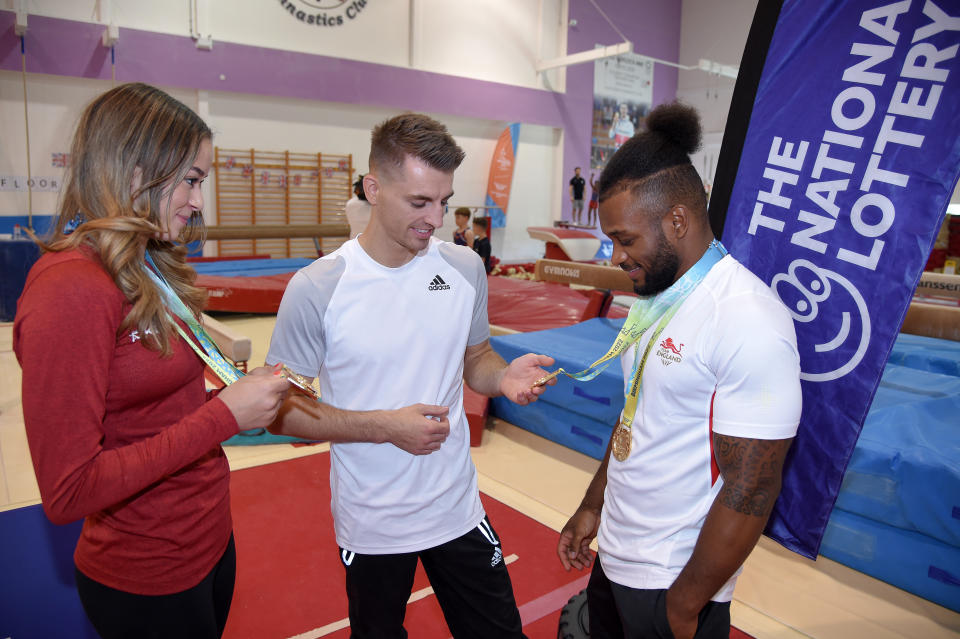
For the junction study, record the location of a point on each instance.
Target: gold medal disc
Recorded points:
(622, 439)
(300, 384)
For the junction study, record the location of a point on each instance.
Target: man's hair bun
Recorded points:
(678, 123)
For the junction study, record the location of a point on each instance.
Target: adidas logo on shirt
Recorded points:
(437, 284)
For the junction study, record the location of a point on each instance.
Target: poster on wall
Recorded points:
(831, 189)
(622, 96)
(501, 175)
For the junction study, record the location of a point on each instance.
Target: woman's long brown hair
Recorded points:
(134, 134)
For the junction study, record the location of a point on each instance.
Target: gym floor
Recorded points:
(779, 595)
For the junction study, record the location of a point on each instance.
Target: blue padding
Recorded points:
(552, 422)
(251, 268)
(574, 347)
(41, 223)
(16, 259)
(905, 469)
(909, 560)
(265, 437)
(38, 597)
(927, 354)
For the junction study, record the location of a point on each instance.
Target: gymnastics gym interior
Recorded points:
(291, 90)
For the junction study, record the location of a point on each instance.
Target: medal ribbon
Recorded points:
(210, 354)
(643, 314)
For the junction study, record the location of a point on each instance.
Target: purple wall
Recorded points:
(65, 47)
(654, 28)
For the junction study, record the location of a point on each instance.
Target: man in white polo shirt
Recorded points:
(392, 323)
(712, 403)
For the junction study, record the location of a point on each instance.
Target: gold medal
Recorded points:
(300, 384)
(622, 438)
(546, 378)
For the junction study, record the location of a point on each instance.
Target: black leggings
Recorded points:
(198, 613)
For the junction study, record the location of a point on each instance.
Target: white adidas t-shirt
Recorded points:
(727, 363)
(383, 338)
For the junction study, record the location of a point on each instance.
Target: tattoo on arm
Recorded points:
(751, 470)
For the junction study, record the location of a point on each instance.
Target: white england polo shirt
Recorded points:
(727, 363)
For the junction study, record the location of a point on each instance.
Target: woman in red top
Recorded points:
(121, 429)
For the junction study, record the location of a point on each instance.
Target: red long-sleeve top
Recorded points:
(118, 434)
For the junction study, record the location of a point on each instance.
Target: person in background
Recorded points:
(463, 235)
(394, 323)
(576, 195)
(357, 209)
(622, 128)
(481, 243)
(594, 203)
(121, 428)
(712, 404)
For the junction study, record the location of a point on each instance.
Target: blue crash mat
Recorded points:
(251, 268)
(579, 415)
(909, 560)
(927, 354)
(254, 438)
(905, 469)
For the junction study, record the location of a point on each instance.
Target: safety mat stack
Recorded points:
(578, 415)
(897, 517)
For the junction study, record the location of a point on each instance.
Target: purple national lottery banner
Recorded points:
(841, 152)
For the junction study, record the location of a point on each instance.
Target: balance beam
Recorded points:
(583, 274)
(932, 320)
(614, 278)
(233, 345)
(939, 285)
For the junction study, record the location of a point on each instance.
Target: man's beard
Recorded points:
(667, 263)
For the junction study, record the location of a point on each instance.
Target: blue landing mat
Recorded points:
(577, 415)
(251, 268)
(265, 437)
(926, 354)
(909, 560)
(905, 469)
(38, 598)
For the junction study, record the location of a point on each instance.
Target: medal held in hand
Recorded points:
(300, 384)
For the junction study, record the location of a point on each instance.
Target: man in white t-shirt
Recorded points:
(393, 323)
(685, 495)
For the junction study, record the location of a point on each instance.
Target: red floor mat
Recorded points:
(293, 584)
(289, 577)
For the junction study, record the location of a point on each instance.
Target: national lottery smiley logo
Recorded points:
(833, 322)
